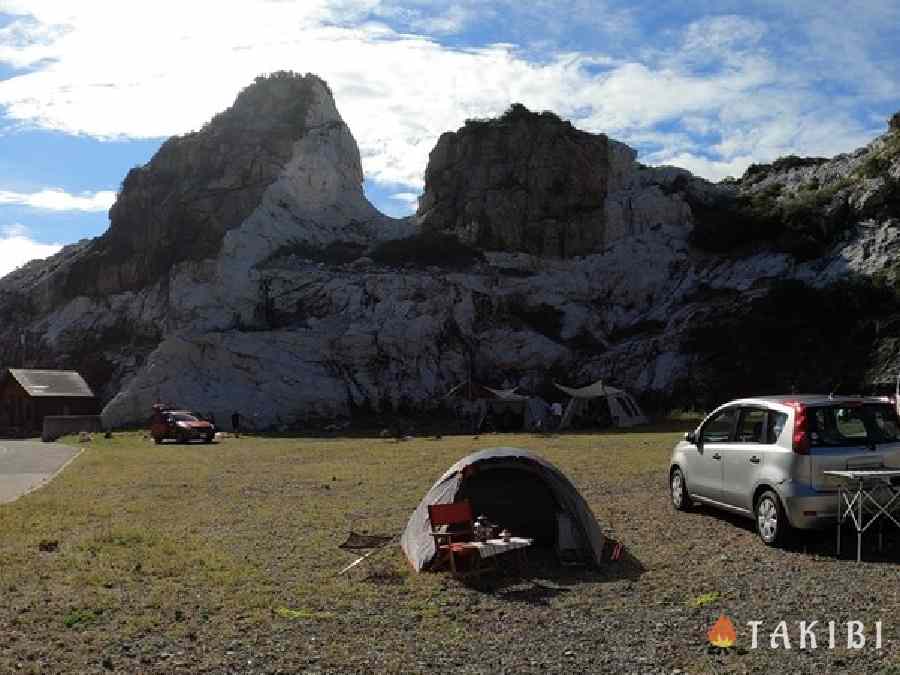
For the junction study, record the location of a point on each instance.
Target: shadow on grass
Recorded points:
(368, 434)
(544, 577)
(172, 441)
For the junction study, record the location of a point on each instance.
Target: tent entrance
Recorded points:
(505, 416)
(592, 413)
(515, 498)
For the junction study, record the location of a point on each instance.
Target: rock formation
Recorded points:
(279, 169)
(245, 270)
(535, 184)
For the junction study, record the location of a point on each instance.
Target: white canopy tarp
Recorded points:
(508, 394)
(623, 409)
(533, 409)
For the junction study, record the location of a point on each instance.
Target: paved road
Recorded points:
(25, 465)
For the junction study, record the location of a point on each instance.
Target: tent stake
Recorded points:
(361, 558)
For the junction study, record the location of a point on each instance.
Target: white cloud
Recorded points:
(24, 42)
(156, 69)
(452, 19)
(55, 199)
(14, 230)
(17, 248)
(720, 35)
(409, 199)
(850, 44)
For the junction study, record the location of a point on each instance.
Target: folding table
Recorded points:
(866, 496)
(494, 547)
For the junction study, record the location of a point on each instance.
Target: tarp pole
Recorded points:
(897, 395)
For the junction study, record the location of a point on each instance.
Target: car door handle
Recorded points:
(717, 456)
(754, 460)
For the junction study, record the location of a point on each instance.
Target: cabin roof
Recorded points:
(52, 383)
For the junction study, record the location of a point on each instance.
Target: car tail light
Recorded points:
(801, 435)
(895, 403)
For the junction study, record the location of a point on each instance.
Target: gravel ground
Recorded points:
(640, 615)
(222, 560)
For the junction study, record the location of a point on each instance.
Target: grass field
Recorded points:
(223, 558)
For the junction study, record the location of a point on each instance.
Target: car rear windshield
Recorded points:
(183, 417)
(859, 424)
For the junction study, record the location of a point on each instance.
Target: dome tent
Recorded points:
(515, 488)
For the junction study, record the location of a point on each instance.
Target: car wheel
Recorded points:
(182, 438)
(678, 491)
(208, 439)
(772, 524)
(157, 439)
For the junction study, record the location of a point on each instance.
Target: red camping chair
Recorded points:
(450, 544)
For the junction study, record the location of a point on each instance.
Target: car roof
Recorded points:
(809, 399)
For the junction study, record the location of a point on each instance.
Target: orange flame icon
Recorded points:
(722, 633)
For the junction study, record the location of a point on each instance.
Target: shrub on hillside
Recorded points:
(756, 172)
(795, 338)
(805, 224)
(334, 253)
(425, 250)
(544, 319)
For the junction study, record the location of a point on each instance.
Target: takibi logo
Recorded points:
(722, 633)
(809, 635)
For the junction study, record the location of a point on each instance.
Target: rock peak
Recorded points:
(279, 98)
(200, 185)
(525, 181)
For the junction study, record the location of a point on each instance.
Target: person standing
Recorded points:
(236, 424)
(556, 412)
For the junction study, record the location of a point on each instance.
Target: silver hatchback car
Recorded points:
(763, 457)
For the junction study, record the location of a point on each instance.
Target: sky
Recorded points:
(89, 89)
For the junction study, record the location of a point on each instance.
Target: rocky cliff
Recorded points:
(279, 169)
(244, 269)
(523, 182)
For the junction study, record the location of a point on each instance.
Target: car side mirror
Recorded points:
(691, 437)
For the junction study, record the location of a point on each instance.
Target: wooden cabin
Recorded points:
(27, 396)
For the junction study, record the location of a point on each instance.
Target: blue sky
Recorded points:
(89, 89)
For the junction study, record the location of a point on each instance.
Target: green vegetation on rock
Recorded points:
(427, 249)
(805, 224)
(756, 172)
(794, 337)
(334, 253)
(880, 161)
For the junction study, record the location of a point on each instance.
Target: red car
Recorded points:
(181, 426)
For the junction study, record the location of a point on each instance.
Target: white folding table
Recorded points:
(866, 496)
(492, 547)
(495, 547)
